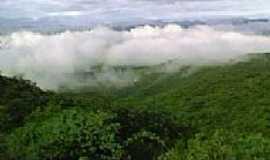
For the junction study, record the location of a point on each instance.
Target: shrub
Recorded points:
(144, 146)
(148, 131)
(69, 134)
(222, 145)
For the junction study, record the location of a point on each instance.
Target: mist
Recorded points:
(54, 60)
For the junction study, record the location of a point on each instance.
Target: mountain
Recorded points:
(206, 112)
(60, 24)
(18, 98)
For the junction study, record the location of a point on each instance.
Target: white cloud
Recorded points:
(47, 59)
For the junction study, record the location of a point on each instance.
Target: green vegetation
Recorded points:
(222, 145)
(18, 98)
(66, 135)
(217, 112)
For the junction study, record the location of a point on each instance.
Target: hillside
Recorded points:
(16, 87)
(210, 112)
(232, 95)
(18, 98)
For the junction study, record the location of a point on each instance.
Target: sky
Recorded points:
(130, 10)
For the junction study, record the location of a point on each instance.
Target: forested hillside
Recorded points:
(213, 112)
(18, 98)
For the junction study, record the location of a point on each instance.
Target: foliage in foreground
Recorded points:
(70, 134)
(222, 145)
(74, 133)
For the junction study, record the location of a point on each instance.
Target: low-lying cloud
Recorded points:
(49, 59)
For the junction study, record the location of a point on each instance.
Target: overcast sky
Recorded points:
(131, 9)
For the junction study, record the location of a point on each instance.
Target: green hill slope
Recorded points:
(214, 112)
(221, 96)
(18, 98)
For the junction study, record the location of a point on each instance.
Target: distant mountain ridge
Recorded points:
(61, 24)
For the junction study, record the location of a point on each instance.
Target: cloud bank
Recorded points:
(50, 59)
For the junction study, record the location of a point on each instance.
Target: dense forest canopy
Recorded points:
(213, 112)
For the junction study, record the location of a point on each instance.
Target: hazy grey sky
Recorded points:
(128, 9)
